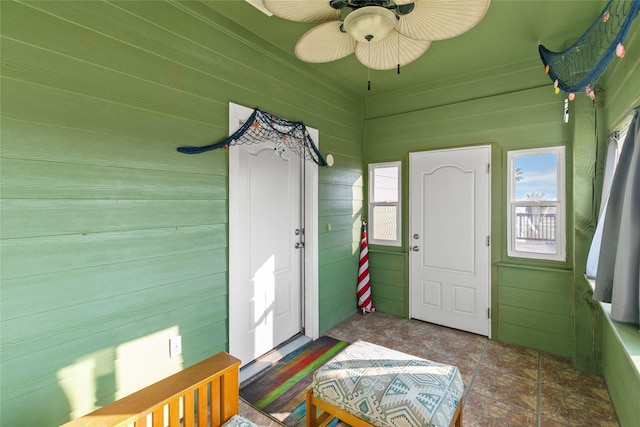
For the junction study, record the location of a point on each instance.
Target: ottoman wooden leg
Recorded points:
(313, 420)
(456, 420)
(311, 410)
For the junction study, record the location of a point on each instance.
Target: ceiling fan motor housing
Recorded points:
(371, 23)
(356, 4)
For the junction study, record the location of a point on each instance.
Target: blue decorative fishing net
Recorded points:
(261, 127)
(579, 67)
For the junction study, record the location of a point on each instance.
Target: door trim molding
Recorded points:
(238, 114)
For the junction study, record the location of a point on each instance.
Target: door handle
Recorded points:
(415, 248)
(299, 245)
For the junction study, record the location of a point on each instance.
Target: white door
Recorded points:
(449, 261)
(266, 255)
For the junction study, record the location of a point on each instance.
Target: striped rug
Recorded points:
(280, 390)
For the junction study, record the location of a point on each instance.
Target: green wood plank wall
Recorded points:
(535, 308)
(621, 95)
(617, 93)
(111, 240)
(514, 108)
(587, 143)
(622, 81)
(389, 278)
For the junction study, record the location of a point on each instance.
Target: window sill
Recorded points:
(627, 333)
(517, 263)
(382, 249)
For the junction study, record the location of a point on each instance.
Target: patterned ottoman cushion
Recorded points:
(388, 388)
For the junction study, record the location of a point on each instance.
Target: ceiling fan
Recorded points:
(383, 34)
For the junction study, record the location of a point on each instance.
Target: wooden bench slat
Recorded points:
(129, 409)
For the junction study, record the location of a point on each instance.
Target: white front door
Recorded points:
(266, 255)
(449, 261)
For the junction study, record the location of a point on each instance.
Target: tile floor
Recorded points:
(505, 385)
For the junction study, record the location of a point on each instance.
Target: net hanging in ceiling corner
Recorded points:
(579, 67)
(263, 127)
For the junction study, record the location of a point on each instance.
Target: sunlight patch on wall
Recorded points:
(80, 381)
(101, 377)
(357, 196)
(355, 237)
(357, 206)
(146, 360)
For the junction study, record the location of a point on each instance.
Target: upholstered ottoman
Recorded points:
(367, 384)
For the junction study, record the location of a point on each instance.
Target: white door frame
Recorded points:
(238, 114)
(489, 201)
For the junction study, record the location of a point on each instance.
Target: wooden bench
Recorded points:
(205, 394)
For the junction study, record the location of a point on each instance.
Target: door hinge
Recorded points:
(488, 167)
(488, 313)
(488, 240)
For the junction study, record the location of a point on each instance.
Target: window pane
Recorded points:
(536, 177)
(535, 229)
(386, 184)
(384, 223)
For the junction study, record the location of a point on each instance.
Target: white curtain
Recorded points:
(618, 273)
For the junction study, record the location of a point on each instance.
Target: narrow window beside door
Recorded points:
(384, 204)
(536, 203)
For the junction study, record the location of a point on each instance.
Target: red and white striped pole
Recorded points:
(365, 303)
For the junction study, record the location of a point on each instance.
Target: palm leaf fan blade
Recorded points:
(302, 10)
(393, 50)
(441, 19)
(324, 43)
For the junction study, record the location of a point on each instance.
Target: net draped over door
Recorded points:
(261, 127)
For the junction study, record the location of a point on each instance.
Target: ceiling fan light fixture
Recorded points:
(370, 23)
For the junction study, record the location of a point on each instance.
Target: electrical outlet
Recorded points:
(175, 346)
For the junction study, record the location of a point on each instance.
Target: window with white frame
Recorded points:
(384, 204)
(536, 203)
